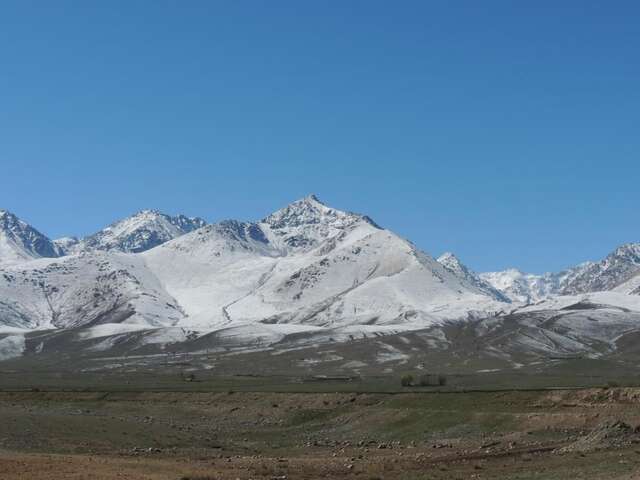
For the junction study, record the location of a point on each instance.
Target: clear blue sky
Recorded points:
(507, 132)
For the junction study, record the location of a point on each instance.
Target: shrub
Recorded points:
(406, 380)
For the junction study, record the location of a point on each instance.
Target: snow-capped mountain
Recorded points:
(20, 242)
(306, 274)
(617, 271)
(307, 222)
(532, 288)
(83, 290)
(454, 265)
(65, 245)
(618, 267)
(522, 287)
(630, 287)
(306, 264)
(309, 264)
(137, 233)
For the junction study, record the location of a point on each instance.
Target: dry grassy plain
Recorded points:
(561, 434)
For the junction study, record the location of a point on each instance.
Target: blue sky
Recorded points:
(507, 132)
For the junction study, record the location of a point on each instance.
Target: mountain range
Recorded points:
(307, 272)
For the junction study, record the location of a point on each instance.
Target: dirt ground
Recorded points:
(485, 435)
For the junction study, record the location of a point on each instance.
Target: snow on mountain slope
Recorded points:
(137, 233)
(308, 264)
(618, 271)
(82, 290)
(531, 288)
(337, 286)
(20, 242)
(214, 268)
(454, 265)
(618, 267)
(630, 287)
(308, 222)
(395, 284)
(584, 301)
(210, 268)
(305, 275)
(521, 287)
(65, 245)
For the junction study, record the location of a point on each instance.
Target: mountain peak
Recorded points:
(307, 222)
(452, 263)
(20, 241)
(616, 268)
(447, 257)
(148, 212)
(628, 250)
(310, 210)
(141, 231)
(7, 215)
(312, 198)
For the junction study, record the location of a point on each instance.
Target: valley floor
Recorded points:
(583, 433)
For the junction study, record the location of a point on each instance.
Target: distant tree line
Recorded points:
(423, 380)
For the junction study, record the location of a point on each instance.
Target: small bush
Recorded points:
(406, 380)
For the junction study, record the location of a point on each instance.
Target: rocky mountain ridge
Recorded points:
(307, 272)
